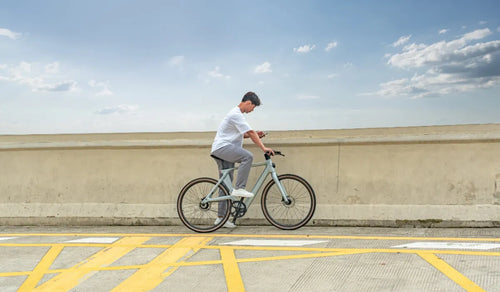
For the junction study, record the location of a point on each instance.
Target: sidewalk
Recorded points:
(171, 258)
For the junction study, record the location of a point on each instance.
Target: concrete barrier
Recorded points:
(416, 176)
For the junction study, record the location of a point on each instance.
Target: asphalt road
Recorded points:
(261, 258)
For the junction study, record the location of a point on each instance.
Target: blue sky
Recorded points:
(161, 66)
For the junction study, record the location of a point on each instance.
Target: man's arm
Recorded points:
(256, 139)
(259, 133)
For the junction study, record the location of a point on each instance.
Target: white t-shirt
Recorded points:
(231, 130)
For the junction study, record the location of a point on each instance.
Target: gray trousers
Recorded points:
(231, 154)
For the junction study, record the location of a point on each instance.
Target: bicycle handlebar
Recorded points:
(267, 156)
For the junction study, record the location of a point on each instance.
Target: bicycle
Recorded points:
(288, 201)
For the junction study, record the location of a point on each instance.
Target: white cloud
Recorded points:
(454, 66)
(119, 109)
(331, 76)
(38, 77)
(69, 85)
(176, 61)
(331, 46)
(10, 34)
(418, 55)
(304, 49)
(348, 65)
(434, 85)
(104, 86)
(217, 74)
(401, 41)
(443, 31)
(477, 34)
(263, 68)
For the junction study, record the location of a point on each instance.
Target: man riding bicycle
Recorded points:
(227, 147)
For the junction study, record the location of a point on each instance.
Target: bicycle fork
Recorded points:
(284, 195)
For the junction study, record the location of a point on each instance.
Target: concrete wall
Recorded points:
(425, 176)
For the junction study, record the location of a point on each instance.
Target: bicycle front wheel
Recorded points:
(198, 216)
(295, 213)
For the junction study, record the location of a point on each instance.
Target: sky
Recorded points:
(113, 66)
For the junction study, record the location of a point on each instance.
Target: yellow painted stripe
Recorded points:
(15, 274)
(268, 248)
(40, 269)
(152, 274)
(231, 270)
(201, 263)
(324, 252)
(300, 256)
(450, 272)
(481, 239)
(70, 278)
(52, 244)
(377, 250)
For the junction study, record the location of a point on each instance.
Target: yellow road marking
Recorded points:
(70, 278)
(320, 252)
(204, 263)
(256, 236)
(15, 274)
(301, 256)
(40, 269)
(379, 250)
(268, 248)
(450, 272)
(231, 270)
(152, 274)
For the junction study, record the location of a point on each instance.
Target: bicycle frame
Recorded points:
(226, 181)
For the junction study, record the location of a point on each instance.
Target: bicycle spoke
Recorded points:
(196, 215)
(293, 214)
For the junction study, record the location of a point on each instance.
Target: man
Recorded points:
(228, 145)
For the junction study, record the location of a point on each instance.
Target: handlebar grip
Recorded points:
(267, 156)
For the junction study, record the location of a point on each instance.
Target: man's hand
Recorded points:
(269, 151)
(255, 136)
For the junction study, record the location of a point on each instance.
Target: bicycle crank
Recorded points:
(238, 209)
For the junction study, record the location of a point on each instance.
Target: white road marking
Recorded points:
(7, 238)
(94, 240)
(273, 242)
(449, 245)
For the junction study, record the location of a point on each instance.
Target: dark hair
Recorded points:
(251, 96)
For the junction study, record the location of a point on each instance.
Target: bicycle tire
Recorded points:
(295, 214)
(194, 215)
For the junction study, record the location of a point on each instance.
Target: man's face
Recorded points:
(249, 107)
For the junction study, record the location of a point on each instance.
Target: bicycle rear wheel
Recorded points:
(298, 211)
(202, 217)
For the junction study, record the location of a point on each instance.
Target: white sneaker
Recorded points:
(228, 224)
(241, 193)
